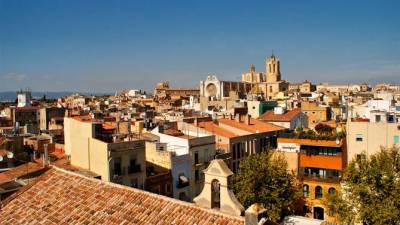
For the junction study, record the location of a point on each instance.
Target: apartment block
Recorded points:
(199, 150)
(320, 167)
(92, 146)
(370, 135)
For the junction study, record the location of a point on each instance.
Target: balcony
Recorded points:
(333, 162)
(116, 176)
(318, 178)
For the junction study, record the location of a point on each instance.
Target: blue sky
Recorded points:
(103, 46)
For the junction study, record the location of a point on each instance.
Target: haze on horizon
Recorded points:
(104, 46)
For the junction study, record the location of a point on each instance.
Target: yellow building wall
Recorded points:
(77, 137)
(99, 158)
(375, 136)
(312, 202)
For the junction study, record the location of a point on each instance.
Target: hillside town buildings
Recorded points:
(170, 155)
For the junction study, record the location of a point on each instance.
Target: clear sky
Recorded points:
(103, 46)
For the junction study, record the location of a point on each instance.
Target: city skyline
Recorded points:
(102, 46)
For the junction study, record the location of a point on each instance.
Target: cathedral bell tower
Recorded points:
(272, 69)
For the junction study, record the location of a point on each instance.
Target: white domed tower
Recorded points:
(272, 69)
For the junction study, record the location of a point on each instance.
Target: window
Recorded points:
(196, 158)
(196, 175)
(306, 190)
(270, 88)
(396, 139)
(117, 166)
(318, 192)
(331, 191)
(377, 118)
(133, 166)
(359, 137)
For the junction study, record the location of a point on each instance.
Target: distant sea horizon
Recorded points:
(11, 96)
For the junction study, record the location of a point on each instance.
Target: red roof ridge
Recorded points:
(58, 173)
(146, 192)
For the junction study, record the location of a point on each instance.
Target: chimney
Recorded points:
(256, 214)
(46, 155)
(237, 117)
(248, 119)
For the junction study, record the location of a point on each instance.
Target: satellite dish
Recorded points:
(10, 155)
(1, 158)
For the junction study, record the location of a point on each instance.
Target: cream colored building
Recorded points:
(370, 136)
(197, 151)
(315, 112)
(119, 162)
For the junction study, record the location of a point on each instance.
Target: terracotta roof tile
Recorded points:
(215, 129)
(254, 127)
(287, 116)
(61, 197)
(19, 171)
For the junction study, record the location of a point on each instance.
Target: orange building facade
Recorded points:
(320, 167)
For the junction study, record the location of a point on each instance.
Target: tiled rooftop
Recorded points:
(287, 116)
(254, 126)
(19, 171)
(210, 126)
(61, 197)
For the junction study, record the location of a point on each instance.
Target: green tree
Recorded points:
(371, 190)
(264, 178)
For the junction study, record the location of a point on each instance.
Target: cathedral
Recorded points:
(264, 85)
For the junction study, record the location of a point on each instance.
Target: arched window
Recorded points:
(318, 192)
(306, 190)
(215, 194)
(331, 191)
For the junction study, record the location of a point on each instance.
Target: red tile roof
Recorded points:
(19, 171)
(254, 127)
(286, 117)
(61, 197)
(210, 126)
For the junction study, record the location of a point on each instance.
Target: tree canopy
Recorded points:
(264, 178)
(371, 190)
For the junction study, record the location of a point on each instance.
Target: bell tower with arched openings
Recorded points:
(272, 69)
(216, 193)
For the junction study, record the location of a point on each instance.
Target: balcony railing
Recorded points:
(307, 153)
(314, 177)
